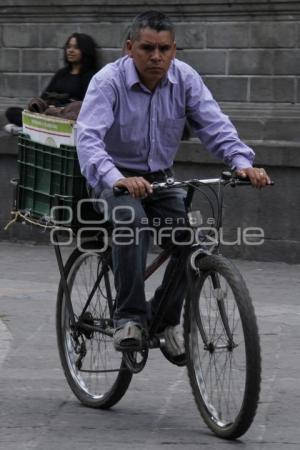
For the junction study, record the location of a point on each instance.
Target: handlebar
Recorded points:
(227, 178)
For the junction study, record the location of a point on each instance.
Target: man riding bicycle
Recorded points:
(129, 130)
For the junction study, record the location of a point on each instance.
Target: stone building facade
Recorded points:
(247, 51)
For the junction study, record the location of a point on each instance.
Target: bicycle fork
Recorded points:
(194, 278)
(221, 305)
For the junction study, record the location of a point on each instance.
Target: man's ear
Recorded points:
(129, 48)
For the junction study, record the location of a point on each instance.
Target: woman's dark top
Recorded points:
(68, 86)
(63, 88)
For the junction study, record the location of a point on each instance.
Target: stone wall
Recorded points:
(247, 52)
(245, 55)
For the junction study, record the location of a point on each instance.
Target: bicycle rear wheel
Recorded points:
(95, 372)
(222, 346)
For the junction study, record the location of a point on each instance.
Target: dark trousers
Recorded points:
(134, 221)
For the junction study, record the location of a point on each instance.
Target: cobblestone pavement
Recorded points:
(39, 412)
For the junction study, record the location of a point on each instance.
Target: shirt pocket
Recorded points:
(133, 135)
(171, 130)
(124, 140)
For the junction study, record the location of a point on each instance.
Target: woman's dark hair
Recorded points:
(87, 46)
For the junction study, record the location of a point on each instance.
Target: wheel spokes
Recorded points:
(218, 347)
(97, 365)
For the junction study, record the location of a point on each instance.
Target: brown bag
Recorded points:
(69, 111)
(37, 105)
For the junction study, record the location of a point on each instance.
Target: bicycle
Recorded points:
(219, 326)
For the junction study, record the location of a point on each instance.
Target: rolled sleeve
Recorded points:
(240, 162)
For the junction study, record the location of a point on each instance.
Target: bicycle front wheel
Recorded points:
(222, 346)
(95, 372)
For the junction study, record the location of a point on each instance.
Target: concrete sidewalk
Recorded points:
(38, 411)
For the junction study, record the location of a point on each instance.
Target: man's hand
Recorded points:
(138, 187)
(258, 177)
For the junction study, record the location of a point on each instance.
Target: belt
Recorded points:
(152, 177)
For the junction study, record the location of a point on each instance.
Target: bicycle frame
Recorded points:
(177, 274)
(151, 268)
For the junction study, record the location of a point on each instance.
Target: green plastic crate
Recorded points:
(48, 176)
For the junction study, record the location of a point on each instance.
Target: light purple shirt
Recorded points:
(123, 124)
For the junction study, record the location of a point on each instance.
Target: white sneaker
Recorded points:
(13, 129)
(174, 342)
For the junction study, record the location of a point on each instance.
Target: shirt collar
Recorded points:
(132, 76)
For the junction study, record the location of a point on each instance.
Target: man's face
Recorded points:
(152, 53)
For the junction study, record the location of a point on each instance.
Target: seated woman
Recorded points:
(69, 83)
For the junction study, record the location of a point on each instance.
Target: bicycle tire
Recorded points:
(93, 388)
(222, 346)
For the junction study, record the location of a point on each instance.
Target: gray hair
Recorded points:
(151, 19)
